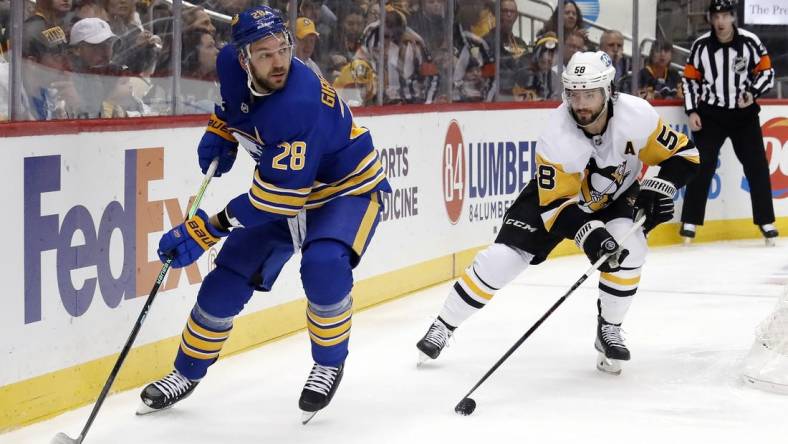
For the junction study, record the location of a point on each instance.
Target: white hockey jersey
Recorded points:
(574, 168)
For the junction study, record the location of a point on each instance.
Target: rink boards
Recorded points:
(87, 209)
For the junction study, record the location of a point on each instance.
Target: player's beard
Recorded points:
(587, 117)
(269, 85)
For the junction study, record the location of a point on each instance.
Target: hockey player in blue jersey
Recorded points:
(315, 187)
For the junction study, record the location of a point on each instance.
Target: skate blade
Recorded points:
(607, 365)
(143, 409)
(686, 241)
(770, 242)
(422, 359)
(62, 438)
(307, 416)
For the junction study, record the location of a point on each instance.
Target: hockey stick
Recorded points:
(466, 406)
(62, 438)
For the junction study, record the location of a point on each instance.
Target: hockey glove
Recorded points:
(655, 202)
(189, 240)
(596, 241)
(217, 142)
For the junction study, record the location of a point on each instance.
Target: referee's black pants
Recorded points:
(744, 129)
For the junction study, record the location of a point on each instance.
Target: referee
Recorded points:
(728, 68)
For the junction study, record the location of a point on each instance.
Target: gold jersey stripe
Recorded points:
(661, 144)
(552, 216)
(271, 208)
(362, 235)
(356, 131)
(271, 187)
(561, 185)
(260, 193)
(373, 170)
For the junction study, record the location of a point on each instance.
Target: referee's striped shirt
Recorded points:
(718, 74)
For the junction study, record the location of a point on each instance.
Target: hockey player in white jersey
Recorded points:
(588, 159)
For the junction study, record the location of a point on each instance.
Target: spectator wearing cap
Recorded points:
(325, 22)
(538, 81)
(306, 39)
(658, 80)
(103, 85)
(47, 89)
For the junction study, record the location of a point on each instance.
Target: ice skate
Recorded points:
(770, 234)
(687, 233)
(165, 392)
(433, 342)
(320, 387)
(610, 345)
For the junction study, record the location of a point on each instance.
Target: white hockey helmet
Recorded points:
(589, 70)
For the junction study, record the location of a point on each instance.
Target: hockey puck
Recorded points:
(465, 407)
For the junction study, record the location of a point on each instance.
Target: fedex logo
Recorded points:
(82, 241)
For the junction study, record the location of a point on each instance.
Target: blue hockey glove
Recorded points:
(217, 142)
(189, 240)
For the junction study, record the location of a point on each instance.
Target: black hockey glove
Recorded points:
(655, 202)
(596, 242)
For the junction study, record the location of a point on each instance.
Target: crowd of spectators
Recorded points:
(113, 58)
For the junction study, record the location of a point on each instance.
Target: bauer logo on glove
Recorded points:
(185, 243)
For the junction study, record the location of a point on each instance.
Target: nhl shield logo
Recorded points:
(244, 108)
(740, 66)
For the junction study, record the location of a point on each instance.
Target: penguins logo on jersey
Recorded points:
(600, 184)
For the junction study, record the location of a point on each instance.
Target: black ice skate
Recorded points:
(165, 392)
(433, 342)
(610, 345)
(687, 233)
(770, 233)
(320, 387)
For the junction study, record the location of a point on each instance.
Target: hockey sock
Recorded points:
(329, 331)
(492, 269)
(201, 342)
(616, 291)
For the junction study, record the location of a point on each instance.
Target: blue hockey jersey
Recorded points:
(307, 147)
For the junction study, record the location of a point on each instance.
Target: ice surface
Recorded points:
(689, 329)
